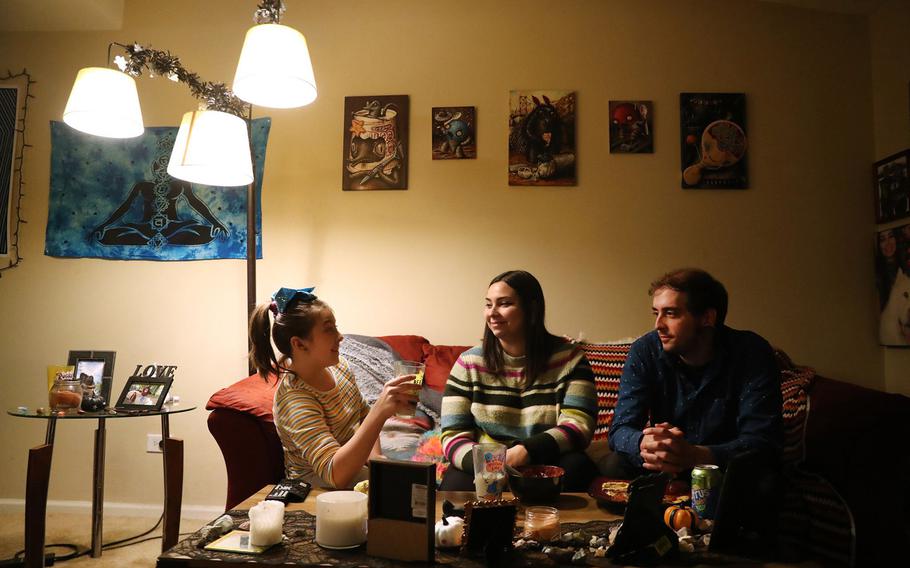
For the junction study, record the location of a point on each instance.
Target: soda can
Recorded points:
(706, 480)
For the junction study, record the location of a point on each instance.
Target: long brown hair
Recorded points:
(297, 320)
(539, 343)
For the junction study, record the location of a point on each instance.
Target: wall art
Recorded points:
(892, 187)
(15, 94)
(375, 151)
(542, 138)
(112, 198)
(713, 140)
(454, 133)
(892, 279)
(631, 127)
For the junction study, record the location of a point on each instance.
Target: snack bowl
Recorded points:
(537, 483)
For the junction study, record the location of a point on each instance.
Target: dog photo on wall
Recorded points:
(542, 138)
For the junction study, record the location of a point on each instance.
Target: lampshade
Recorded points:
(275, 69)
(104, 102)
(212, 148)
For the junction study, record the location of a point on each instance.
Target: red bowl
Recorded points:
(537, 483)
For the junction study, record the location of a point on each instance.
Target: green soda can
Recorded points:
(706, 480)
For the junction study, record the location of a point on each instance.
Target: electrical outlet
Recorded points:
(153, 443)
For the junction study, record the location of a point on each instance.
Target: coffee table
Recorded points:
(573, 508)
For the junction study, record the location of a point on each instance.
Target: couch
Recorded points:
(846, 459)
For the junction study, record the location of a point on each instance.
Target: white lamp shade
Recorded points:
(212, 148)
(104, 102)
(275, 69)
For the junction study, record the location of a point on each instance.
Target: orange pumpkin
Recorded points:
(679, 516)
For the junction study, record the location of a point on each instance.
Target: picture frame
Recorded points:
(631, 127)
(542, 150)
(714, 141)
(488, 525)
(107, 378)
(375, 151)
(143, 393)
(94, 367)
(891, 179)
(402, 510)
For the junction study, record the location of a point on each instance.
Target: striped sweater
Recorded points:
(553, 415)
(313, 424)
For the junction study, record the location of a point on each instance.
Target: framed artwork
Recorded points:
(542, 138)
(631, 127)
(892, 187)
(375, 151)
(892, 279)
(454, 133)
(9, 118)
(91, 371)
(143, 393)
(713, 140)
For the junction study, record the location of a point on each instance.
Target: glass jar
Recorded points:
(65, 395)
(541, 523)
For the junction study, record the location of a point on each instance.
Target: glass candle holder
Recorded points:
(341, 519)
(541, 523)
(65, 395)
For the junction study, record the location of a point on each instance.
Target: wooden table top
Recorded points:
(573, 507)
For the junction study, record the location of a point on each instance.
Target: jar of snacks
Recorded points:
(541, 523)
(65, 395)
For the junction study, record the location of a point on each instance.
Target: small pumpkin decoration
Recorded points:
(679, 516)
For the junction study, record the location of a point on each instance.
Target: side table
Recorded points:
(39, 464)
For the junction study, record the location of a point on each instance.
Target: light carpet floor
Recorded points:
(76, 528)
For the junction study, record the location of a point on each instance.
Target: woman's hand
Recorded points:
(397, 395)
(517, 455)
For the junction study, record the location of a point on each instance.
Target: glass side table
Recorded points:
(172, 457)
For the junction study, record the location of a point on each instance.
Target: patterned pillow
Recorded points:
(606, 361)
(794, 387)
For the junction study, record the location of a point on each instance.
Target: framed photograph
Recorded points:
(488, 525)
(892, 279)
(713, 140)
(454, 133)
(892, 187)
(375, 151)
(542, 138)
(107, 374)
(631, 127)
(143, 393)
(92, 371)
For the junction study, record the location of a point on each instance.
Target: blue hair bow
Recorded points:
(285, 296)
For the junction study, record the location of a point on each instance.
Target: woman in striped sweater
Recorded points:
(522, 387)
(326, 428)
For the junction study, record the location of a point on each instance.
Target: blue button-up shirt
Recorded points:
(735, 407)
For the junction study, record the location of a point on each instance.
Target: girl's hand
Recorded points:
(517, 455)
(397, 395)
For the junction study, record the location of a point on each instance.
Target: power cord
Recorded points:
(50, 558)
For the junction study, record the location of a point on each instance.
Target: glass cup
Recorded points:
(409, 368)
(65, 395)
(541, 523)
(341, 519)
(489, 470)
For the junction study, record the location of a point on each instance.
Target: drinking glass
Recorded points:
(409, 368)
(489, 470)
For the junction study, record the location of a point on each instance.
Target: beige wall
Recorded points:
(891, 105)
(794, 249)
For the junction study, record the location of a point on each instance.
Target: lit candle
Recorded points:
(341, 519)
(266, 522)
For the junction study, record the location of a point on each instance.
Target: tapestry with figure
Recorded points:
(113, 198)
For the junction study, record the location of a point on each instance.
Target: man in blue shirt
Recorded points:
(693, 391)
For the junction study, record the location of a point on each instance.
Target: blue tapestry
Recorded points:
(112, 198)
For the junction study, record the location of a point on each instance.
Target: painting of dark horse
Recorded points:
(542, 138)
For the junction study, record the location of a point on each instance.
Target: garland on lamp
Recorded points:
(18, 160)
(269, 12)
(215, 96)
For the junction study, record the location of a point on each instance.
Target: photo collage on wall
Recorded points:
(891, 181)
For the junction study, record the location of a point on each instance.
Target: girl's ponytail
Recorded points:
(262, 356)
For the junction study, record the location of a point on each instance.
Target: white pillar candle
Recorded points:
(341, 519)
(266, 522)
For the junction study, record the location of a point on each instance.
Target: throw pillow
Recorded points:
(408, 347)
(252, 395)
(606, 360)
(439, 360)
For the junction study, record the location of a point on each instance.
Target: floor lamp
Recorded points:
(213, 145)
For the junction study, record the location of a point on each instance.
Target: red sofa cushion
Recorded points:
(410, 347)
(252, 395)
(439, 360)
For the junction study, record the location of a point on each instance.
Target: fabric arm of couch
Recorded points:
(252, 452)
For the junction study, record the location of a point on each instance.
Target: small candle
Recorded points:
(266, 522)
(341, 519)
(541, 523)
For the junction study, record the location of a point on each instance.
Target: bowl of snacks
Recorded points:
(536, 483)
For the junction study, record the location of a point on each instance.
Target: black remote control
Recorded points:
(289, 491)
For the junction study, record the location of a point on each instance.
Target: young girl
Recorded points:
(326, 428)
